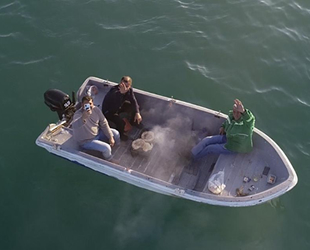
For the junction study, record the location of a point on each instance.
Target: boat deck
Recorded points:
(171, 167)
(168, 164)
(167, 161)
(174, 168)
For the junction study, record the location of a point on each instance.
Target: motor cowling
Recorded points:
(60, 102)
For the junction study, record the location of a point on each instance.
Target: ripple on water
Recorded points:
(150, 23)
(15, 8)
(201, 69)
(290, 32)
(10, 35)
(276, 204)
(220, 78)
(302, 102)
(304, 148)
(6, 6)
(165, 46)
(32, 61)
(298, 7)
(270, 89)
(191, 5)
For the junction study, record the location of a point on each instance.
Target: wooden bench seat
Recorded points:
(238, 166)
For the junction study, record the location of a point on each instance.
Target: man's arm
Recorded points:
(133, 100)
(78, 120)
(103, 124)
(248, 118)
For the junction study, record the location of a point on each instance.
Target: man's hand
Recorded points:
(86, 114)
(112, 142)
(138, 118)
(222, 131)
(238, 106)
(122, 88)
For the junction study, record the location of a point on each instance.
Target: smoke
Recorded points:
(175, 137)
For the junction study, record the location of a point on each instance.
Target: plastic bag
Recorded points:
(216, 183)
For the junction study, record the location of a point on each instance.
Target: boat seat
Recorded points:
(98, 98)
(238, 166)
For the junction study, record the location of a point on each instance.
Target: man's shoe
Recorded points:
(135, 124)
(187, 156)
(124, 137)
(140, 126)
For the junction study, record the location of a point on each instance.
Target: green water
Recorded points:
(204, 52)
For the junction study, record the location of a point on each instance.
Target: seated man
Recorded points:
(235, 135)
(120, 99)
(91, 129)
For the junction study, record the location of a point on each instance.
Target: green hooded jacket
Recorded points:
(239, 133)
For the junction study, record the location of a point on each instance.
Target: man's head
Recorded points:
(87, 103)
(127, 81)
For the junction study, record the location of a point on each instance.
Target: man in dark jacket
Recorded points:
(120, 99)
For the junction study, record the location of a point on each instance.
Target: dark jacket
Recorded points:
(114, 100)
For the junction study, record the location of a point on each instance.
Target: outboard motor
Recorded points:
(60, 102)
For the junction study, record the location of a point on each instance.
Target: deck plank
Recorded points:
(206, 168)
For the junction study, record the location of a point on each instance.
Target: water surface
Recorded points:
(203, 52)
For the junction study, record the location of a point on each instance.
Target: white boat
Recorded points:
(250, 179)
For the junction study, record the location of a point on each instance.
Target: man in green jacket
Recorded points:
(235, 135)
